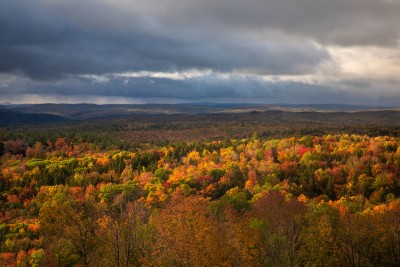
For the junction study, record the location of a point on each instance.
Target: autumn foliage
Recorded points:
(329, 200)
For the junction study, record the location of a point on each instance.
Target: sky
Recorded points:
(174, 51)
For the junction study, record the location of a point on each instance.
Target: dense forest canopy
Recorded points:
(303, 200)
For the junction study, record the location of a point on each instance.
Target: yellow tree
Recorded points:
(69, 227)
(189, 235)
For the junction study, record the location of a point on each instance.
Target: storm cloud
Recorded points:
(304, 51)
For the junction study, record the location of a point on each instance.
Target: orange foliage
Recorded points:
(13, 199)
(7, 258)
(34, 227)
(105, 161)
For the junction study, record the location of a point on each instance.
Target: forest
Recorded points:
(218, 193)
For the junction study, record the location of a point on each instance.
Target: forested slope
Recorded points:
(301, 201)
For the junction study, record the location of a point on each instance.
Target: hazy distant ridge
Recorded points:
(8, 117)
(91, 111)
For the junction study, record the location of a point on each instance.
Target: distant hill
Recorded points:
(92, 111)
(11, 117)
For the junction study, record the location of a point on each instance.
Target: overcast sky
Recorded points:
(170, 51)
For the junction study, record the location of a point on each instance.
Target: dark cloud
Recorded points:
(43, 43)
(48, 45)
(340, 22)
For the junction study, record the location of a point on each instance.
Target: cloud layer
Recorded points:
(295, 51)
